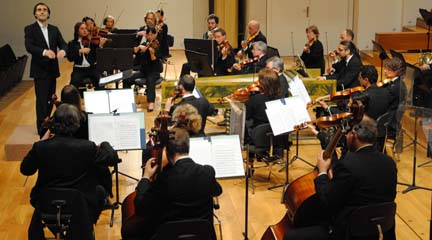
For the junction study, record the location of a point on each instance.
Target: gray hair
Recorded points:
(366, 130)
(262, 46)
(277, 62)
(66, 120)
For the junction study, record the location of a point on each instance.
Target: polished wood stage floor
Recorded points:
(413, 208)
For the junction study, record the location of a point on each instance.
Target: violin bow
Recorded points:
(118, 18)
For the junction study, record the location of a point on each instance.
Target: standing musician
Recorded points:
(313, 52)
(64, 161)
(347, 75)
(162, 28)
(365, 176)
(257, 62)
(82, 52)
(90, 23)
(276, 64)
(255, 35)
(225, 53)
(109, 22)
(185, 87)
(212, 25)
(183, 190)
(150, 21)
(43, 41)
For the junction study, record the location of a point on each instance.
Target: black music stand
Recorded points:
(199, 63)
(114, 59)
(297, 156)
(427, 17)
(121, 40)
(204, 46)
(125, 31)
(382, 54)
(397, 55)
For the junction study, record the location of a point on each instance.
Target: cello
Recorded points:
(299, 198)
(159, 137)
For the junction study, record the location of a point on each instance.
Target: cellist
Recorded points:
(365, 176)
(184, 190)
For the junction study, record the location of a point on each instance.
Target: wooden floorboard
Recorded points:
(413, 212)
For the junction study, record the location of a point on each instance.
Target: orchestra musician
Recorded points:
(345, 35)
(365, 176)
(90, 23)
(162, 28)
(185, 87)
(276, 64)
(347, 75)
(183, 190)
(212, 25)
(109, 22)
(258, 60)
(225, 53)
(46, 45)
(68, 162)
(82, 52)
(255, 35)
(313, 52)
(150, 21)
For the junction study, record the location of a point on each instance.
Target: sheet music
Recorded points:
(96, 102)
(106, 101)
(196, 93)
(222, 152)
(123, 132)
(111, 78)
(297, 88)
(284, 114)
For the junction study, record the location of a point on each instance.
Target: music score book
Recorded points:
(285, 113)
(107, 101)
(222, 152)
(125, 131)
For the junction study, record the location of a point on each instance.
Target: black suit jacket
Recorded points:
(285, 92)
(222, 65)
(182, 191)
(201, 104)
(35, 44)
(67, 162)
(347, 75)
(73, 54)
(259, 37)
(361, 178)
(379, 99)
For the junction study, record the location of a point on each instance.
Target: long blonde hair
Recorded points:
(187, 117)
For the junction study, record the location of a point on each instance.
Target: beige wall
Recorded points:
(410, 10)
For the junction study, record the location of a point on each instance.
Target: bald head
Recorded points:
(253, 27)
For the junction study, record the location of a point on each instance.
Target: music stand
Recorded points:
(382, 54)
(427, 17)
(199, 63)
(205, 46)
(123, 40)
(124, 31)
(114, 59)
(397, 55)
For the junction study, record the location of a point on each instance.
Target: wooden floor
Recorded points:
(413, 211)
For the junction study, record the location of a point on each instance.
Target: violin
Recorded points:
(244, 63)
(225, 45)
(243, 94)
(308, 45)
(337, 96)
(300, 198)
(245, 44)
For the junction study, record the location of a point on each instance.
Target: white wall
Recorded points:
(410, 10)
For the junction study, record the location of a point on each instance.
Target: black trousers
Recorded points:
(150, 81)
(44, 89)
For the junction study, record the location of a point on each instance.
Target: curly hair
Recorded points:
(187, 117)
(66, 120)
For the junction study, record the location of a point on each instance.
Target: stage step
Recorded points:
(20, 142)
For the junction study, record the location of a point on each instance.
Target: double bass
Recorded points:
(299, 198)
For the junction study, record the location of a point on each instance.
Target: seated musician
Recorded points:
(185, 87)
(82, 52)
(108, 23)
(276, 64)
(313, 52)
(225, 53)
(379, 97)
(259, 51)
(150, 21)
(427, 75)
(347, 75)
(212, 25)
(255, 107)
(162, 28)
(90, 23)
(393, 69)
(68, 162)
(255, 35)
(365, 176)
(345, 35)
(183, 190)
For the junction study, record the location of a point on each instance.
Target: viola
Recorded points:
(300, 198)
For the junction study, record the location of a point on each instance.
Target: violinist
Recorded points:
(212, 25)
(313, 52)
(276, 64)
(225, 53)
(108, 22)
(82, 52)
(183, 190)
(255, 64)
(255, 35)
(150, 21)
(347, 75)
(90, 23)
(162, 28)
(345, 35)
(185, 87)
(46, 45)
(365, 176)
(379, 97)
(68, 162)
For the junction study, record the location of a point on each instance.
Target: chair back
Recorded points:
(263, 138)
(371, 221)
(382, 124)
(170, 40)
(272, 52)
(191, 229)
(72, 207)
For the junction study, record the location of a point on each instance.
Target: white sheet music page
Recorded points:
(284, 115)
(122, 100)
(297, 88)
(101, 129)
(227, 157)
(96, 102)
(127, 131)
(110, 78)
(200, 150)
